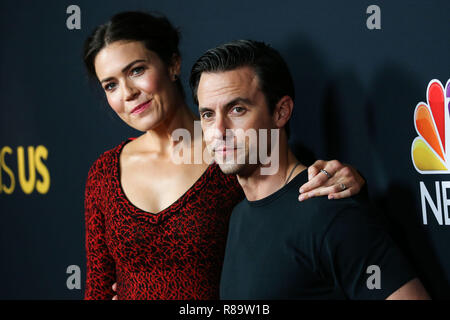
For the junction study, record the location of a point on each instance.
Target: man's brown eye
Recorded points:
(238, 109)
(206, 115)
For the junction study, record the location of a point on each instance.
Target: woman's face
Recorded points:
(139, 87)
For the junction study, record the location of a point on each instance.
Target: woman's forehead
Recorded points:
(117, 55)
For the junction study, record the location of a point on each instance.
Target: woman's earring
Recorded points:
(175, 77)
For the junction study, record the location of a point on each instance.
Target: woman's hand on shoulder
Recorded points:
(333, 179)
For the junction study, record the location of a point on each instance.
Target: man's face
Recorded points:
(233, 100)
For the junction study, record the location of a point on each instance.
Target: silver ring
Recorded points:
(326, 173)
(343, 186)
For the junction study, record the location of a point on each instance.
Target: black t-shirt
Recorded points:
(280, 248)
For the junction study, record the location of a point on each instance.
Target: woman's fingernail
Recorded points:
(301, 190)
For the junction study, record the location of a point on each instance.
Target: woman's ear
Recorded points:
(283, 111)
(175, 67)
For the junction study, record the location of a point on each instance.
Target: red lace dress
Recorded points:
(175, 254)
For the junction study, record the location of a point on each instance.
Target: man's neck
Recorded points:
(257, 186)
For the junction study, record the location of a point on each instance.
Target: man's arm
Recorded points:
(412, 290)
(364, 260)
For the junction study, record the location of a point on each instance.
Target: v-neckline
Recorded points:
(164, 213)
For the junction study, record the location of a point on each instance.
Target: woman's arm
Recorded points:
(100, 269)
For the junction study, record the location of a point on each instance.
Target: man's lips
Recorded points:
(141, 107)
(225, 149)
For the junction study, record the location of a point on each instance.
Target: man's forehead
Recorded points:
(217, 87)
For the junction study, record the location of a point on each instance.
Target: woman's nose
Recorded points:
(129, 92)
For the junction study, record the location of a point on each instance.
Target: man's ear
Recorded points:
(283, 111)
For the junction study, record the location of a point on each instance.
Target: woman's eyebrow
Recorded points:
(125, 69)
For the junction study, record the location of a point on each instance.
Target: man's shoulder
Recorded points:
(241, 205)
(321, 212)
(335, 206)
(321, 207)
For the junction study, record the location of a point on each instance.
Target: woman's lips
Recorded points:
(140, 108)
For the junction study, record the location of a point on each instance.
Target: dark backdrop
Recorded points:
(356, 93)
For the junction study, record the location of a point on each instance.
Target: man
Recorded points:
(277, 247)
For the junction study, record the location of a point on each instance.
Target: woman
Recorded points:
(156, 227)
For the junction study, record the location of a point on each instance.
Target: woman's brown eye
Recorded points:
(109, 86)
(137, 71)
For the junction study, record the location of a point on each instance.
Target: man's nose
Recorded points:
(220, 127)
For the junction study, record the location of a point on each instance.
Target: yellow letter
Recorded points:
(44, 185)
(7, 170)
(27, 186)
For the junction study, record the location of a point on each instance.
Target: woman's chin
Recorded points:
(144, 124)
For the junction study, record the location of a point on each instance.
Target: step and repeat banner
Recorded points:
(372, 90)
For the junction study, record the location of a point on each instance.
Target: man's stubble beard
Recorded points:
(237, 166)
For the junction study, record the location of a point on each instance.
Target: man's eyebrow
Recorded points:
(128, 66)
(203, 109)
(237, 100)
(228, 104)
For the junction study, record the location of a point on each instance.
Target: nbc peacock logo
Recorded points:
(430, 150)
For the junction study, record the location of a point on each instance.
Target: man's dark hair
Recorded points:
(274, 78)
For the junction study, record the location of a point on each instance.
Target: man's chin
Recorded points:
(231, 168)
